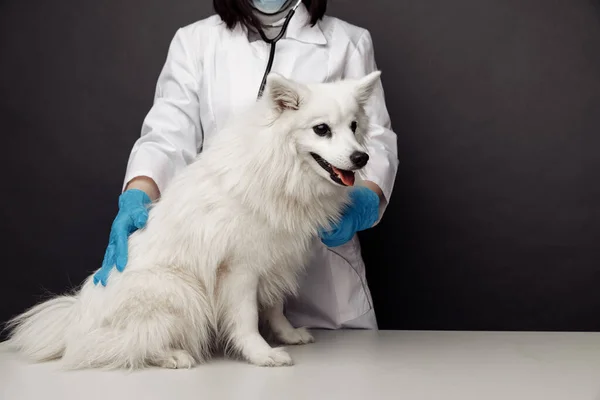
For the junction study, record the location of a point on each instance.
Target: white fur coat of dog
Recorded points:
(223, 246)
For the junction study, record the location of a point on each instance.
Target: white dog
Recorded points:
(223, 246)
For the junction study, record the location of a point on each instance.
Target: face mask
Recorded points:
(269, 6)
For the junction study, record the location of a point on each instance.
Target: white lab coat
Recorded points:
(211, 72)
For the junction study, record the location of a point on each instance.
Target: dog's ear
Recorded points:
(283, 93)
(365, 85)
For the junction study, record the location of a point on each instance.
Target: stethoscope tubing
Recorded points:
(272, 43)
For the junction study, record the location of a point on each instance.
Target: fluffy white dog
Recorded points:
(223, 246)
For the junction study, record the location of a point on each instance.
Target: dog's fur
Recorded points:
(223, 245)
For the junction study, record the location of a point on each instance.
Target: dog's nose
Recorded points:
(359, 159)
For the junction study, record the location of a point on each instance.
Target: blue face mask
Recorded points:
(269, 6)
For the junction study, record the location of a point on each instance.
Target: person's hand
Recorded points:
(361, 214)
(132, 215)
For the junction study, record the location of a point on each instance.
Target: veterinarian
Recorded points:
(214, 68)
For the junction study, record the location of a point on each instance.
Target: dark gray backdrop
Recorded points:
(495, 220)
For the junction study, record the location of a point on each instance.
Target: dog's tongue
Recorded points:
(347, 177)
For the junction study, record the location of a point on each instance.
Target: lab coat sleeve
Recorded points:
(381, 140)
(171, 132)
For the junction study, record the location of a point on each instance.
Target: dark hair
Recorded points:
(234, 12)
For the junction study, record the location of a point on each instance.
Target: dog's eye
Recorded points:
(322, 130)
(353, 126)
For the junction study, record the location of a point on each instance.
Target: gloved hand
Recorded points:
(132, 215)
(361, 214)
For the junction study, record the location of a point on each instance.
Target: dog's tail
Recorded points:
(40, 331)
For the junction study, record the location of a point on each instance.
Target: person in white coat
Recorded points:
(213, 69)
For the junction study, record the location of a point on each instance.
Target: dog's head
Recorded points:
(327, 122)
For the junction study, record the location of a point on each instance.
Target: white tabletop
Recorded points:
(350, 365)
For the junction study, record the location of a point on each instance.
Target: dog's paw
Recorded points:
(296, 336)
(276, 357)
(177, 359)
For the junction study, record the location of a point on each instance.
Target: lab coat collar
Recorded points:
(300, 29)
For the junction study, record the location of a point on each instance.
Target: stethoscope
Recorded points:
(272, 43)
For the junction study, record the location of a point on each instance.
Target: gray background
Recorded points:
(495, 220)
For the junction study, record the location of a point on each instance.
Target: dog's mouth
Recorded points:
(339, 176)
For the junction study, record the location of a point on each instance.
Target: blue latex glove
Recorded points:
(132, 215)
(361, 214)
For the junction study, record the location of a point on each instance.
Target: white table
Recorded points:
(350, 365)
